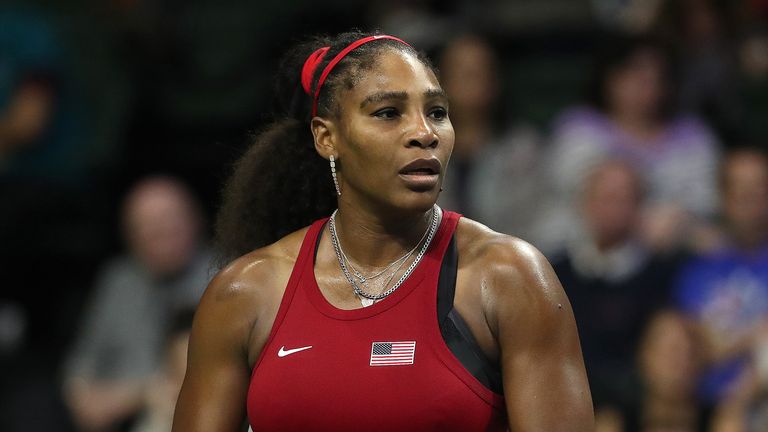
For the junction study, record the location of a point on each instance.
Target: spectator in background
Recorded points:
(665, 397)
(160, 396)
(726, 292)
(37, 137)
(613, 282)
(704, 36)
(50, 219)
(630, 117)
(122, 341)
(493, 175)
(26, 114)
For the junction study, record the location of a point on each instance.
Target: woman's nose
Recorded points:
(423, 134)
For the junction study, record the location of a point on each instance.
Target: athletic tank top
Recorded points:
(385, 367)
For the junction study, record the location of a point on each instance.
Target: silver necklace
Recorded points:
(364, 279)
(367, 299)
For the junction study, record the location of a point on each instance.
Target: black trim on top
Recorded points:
(456, 333)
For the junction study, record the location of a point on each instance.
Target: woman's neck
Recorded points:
(373, 239)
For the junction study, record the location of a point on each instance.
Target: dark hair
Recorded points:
(614, 53)
(281, 184)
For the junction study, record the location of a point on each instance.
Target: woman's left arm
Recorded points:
(545, 383)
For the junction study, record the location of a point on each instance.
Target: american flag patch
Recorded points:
(392, 353)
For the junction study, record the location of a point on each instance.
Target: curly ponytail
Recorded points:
(281, 184)
(278, 186)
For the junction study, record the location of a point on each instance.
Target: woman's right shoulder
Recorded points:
(232, 320)
(254, 281)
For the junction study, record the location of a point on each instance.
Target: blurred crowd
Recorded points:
(626, 139)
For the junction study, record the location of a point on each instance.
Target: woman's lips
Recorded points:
(420, 181)
(421, 174)
(424, 165)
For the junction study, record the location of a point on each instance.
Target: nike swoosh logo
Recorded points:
(284, 352)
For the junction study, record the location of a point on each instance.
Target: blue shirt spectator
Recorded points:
(726, 292)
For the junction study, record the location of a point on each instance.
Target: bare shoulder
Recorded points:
(235, 306)
(250, 286)
(516, 279)
(252, 275)
(530, 318)
(499, 255)
(479, 241)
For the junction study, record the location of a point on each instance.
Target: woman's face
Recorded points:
(393, 136)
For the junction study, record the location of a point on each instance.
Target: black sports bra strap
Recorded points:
(319, 236)
(446, 283)
(455, 331)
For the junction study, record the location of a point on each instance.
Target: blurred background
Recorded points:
(624, 138)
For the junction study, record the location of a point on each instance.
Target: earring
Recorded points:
(333, 174)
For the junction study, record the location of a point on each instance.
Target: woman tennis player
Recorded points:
(352, 301)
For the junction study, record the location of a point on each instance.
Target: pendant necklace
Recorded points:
(366, 298)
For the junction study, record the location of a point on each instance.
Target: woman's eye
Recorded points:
(439, 113)
(386, 113)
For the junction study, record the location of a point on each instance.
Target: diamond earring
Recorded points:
(333, 174)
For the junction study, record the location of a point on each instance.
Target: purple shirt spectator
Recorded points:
(678, 165)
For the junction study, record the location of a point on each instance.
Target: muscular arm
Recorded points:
(216, 382)
(545, 383)
(231, 325)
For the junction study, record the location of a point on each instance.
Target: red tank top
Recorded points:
(380, 368)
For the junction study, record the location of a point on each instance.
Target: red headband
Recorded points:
(314, 59)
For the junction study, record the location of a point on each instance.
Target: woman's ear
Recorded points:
(324, 131)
